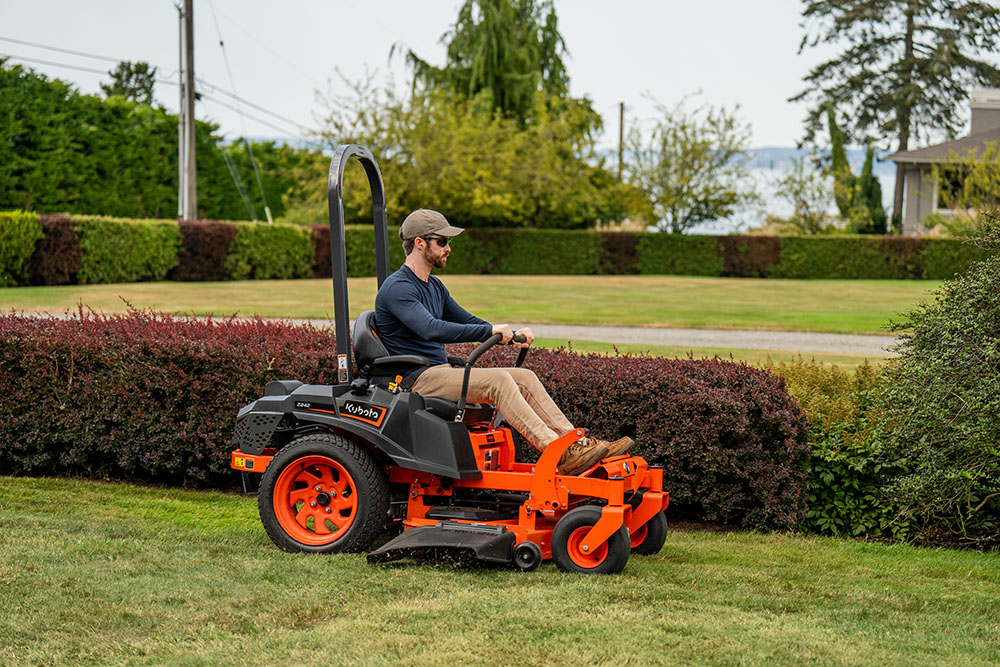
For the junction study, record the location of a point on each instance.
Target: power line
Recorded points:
(250, 104)
(60, 49)
(49, 62)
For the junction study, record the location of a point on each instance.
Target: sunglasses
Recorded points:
(440, 240)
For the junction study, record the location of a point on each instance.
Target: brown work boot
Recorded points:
(581, 455)
(618, 447)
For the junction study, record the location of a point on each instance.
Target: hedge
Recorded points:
(154, 398)
(89, 249)
(19, 231)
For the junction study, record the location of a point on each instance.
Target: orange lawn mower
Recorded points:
(336, 465)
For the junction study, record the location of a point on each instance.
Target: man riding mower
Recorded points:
(426, 442)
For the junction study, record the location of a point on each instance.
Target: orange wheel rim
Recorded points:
(315, 500)
(574, 547)
(638, 536)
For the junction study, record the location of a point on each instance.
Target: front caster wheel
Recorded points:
(323, 493)
(527, 556)
(649, 539)
(567, 544)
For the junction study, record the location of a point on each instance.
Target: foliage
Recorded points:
(57, 256)
(131, 80)
(154, 398)
(456, 155)
(942, 409)
(203, 251)
(19, 231)
(75, 153)
(809, 195)
(674, 254)
(859, 198)
(123, 251)
(261, 251)
(904, 69)
(693, 165)
(504, 50)
(971, 182)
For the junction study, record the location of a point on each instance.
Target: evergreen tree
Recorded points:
(843, 179)
(133, 81)
(507, 50)
(906, 67)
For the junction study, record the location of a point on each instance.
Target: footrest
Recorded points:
(494, 544)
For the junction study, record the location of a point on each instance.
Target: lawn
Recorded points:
(833, 306)
(117, 574)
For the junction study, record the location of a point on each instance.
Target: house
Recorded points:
(922, 194)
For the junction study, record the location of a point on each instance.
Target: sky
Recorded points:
(278, 55)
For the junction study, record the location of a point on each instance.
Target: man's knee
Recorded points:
(496, 382)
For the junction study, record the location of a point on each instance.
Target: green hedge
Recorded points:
(264, 251)
(117, 250)
(125, 251)
(19, 231)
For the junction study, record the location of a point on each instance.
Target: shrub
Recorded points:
(619, 254)
(57, 256)
(140, 396)
(122, 251)
(552, 252)
(19, 230)
(204, 247)
(837, 257)
(154, 398)
(262, 251)
(749, 256)
(941, 421)
(680, 255)
(945, 258)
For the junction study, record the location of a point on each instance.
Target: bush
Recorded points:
(945, 258)
(19, 230)
(941, 410)
(676, 254)
(141, 396)
(748, 256)
(262, 251)
(57, 256)
(154, 398)
(123, 251)
(204, 248)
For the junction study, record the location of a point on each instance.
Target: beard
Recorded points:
(436, 259)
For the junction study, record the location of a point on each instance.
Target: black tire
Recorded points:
(609, 558)
(351, 508)
(650, 537)
(527, 556)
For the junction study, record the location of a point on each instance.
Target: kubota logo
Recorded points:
(362, 411)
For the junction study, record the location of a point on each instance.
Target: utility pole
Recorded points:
(191, 194)
(621, 136)
(181, 137)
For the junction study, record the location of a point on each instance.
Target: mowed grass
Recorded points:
(833, 306)
(752, 357)
(117, 574)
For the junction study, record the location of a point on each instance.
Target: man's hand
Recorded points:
(505, 331)
(526, 332)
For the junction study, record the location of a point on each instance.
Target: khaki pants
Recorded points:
(516, 392)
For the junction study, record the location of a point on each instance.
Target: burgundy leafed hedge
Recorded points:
(152, 397)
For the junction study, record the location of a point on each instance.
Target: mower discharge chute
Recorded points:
(334, 466)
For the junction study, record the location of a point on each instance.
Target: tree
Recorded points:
(693, 167)
(906, 67)
(808, 192)
(971, 183)
(859, 198)
(133, 81)
(506, 50)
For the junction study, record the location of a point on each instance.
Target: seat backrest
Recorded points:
(367, 346)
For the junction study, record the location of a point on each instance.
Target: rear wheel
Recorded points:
(323, 493)
(567, 544)
(650, 537)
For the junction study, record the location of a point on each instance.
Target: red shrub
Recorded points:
(57, 256)
(154, 397)
(322, 265)
(204, 246)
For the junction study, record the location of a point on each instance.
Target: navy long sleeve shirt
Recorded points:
(417, 317)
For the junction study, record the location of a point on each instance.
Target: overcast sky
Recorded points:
(732, 51)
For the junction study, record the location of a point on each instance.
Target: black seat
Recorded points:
(376, 365)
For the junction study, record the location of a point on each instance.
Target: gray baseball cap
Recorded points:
(424, 222)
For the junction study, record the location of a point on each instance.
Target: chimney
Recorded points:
(985, 110)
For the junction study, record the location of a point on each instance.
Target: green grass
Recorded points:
(835, 306)
(115, 574)
(752, 357)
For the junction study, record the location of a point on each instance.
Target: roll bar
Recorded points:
(338, 250)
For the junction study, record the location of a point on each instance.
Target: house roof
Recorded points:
(965, 147)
